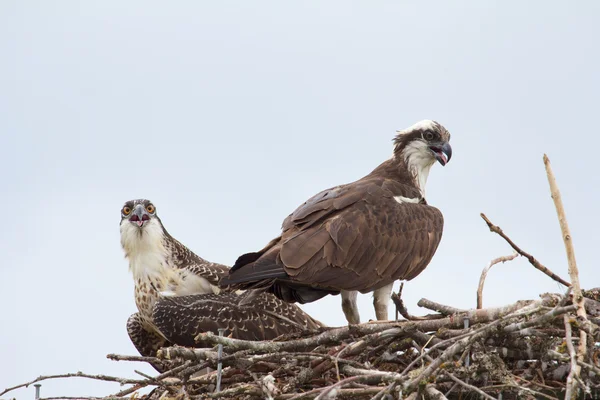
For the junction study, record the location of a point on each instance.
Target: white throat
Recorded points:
(418, 159)
(145, 249)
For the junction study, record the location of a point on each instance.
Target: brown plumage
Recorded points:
(359, 236)
(182, 318)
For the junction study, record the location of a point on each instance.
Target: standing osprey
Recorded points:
(177, 293)
(360, 236)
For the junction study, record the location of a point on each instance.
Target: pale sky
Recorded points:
(229, 114)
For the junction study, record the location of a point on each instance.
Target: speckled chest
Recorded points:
(146, 294)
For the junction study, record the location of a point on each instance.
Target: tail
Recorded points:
(255, 270)
(261, 272)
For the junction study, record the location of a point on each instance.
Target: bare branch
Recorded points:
(401, 308)
(107, 378)
(441, 308)
(571, 392)
(484, 273)
(532, 260)
(434, 394)
(573, 271)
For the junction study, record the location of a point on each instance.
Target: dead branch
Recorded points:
(434, 394)
(573, 271)
(148, 382)
(83, 398)
(441, 308)
(532, 260)
(107, 378)
(401, 308)
(117, 357)
(571, 392)
(484, 273)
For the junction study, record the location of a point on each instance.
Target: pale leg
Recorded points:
(349, 306)
(381, 299)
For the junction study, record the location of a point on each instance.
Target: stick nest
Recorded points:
(519, 350)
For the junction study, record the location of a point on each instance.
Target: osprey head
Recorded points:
(424, 143)
(419, 147)
(138, 212)
(141, 229)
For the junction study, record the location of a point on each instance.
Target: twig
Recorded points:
(470, 387)
(107, 378)
(571, 391)
(434, 394)
(384, 391)
(484, 273)
(342, 393)
(143, 374)
(441, 308)
(401, 308)
(236, 392)
(158, 378)
(555, 312)
(532, 260)
(573, 271)
(83, 398)
(119, 357)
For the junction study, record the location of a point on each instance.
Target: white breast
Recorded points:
(152, 269)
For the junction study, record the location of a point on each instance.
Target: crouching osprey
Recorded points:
(360, 236)
(177, 293)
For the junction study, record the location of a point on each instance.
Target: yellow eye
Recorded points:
(126, 210)
(150, 208)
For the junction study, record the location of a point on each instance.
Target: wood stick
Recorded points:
(79, 374)
(342, 393)
(532, 260)
(118, 357)
(401, 308)
(484, 273)
(83, 398)
(434, 394)
(441, 308)
(571, 392)
(158, 378)
(573, 271)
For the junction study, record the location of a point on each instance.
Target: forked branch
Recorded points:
(532, 259)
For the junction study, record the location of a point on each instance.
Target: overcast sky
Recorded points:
(228, 115)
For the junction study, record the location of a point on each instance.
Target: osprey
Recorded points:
(360, 236)
(177, 293)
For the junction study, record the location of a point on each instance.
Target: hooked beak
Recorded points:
(139, 215)
(442, 153)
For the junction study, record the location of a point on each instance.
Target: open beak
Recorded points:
(139, 215)
(442, 153)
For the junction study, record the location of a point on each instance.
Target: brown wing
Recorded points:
(360, 238)
(351, 237)
(186, 259)
(146, 341)
(182, 318)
